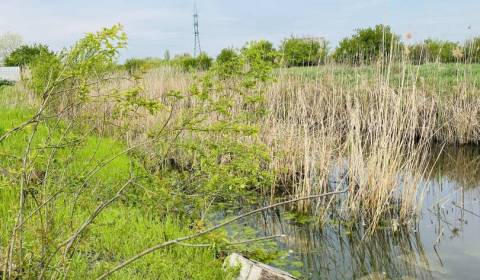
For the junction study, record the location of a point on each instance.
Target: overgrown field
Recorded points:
(102, 171)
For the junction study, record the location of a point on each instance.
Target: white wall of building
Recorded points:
(10, 73)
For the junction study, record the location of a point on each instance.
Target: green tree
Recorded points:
(435, 51)
(262, 49)
(24, 55)
(417, 53)
(188, 63)
(367, 45)
(203, 61)
(133, 65)
(228, 63)
(303, 51)
(226, 55)
(472, 50)
(440, 51)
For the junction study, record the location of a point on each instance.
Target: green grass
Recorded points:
(123, 232)
(125, 228)
(434, 75)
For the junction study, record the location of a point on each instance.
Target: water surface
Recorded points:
(444, 242)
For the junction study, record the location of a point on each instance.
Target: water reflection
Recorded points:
(332, 252)
(459, 165)
(443, 244)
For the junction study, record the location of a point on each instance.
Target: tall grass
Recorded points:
(378, 121)
(367, 128)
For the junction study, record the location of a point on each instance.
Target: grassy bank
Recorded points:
(119, 232)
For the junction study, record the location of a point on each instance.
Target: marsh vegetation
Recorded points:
(134, 172)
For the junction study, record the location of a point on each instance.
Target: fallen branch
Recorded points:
(234, 243)
(178, 240)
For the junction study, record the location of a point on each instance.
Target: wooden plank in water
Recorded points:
(253, 270)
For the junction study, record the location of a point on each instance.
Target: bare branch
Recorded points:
(176, 241)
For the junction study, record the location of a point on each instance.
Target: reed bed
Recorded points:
(375, 122)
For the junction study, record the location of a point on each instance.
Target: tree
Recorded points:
(203, 61)
(226, 55)
(366, 45)
(137, 66)
(435, 51)
(189, 63)
(303, 51)
(8, 43)
(134, 66)
(472, 50)
(24, 55)
(440, 51)
(262, 49)
(228, 63)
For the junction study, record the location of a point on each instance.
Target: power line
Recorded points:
(197, 47)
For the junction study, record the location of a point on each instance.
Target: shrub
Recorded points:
(417, 53)
(44, 70)
(226, 56)
(24, 55)
(303, 51)
(203, 61)
(472, 50)
(6, 83)
(188, 63)
(134, 65)
(228, 63)
(435, 51)
(366, 45)
(440, 51)
(262, 49)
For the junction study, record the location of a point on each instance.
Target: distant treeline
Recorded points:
(368, 45)
(365, 46)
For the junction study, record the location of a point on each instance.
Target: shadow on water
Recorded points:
(443, 244)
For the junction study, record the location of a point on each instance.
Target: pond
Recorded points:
(443, 243)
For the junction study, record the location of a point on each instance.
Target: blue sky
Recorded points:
(154, 26)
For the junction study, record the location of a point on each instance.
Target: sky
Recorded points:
(154, 26)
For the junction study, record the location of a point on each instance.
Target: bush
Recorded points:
(367, 45)
(226, 56)
(136, 66)
(24, 55)
(416, 53)
(228, 63)
(472, 50)
(6, 83)
(203, 62)
(435, 51)
(440, 51)
(188, 63)
(262, 50)
(303, 52)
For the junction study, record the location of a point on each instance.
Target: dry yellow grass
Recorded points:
(376, 128)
